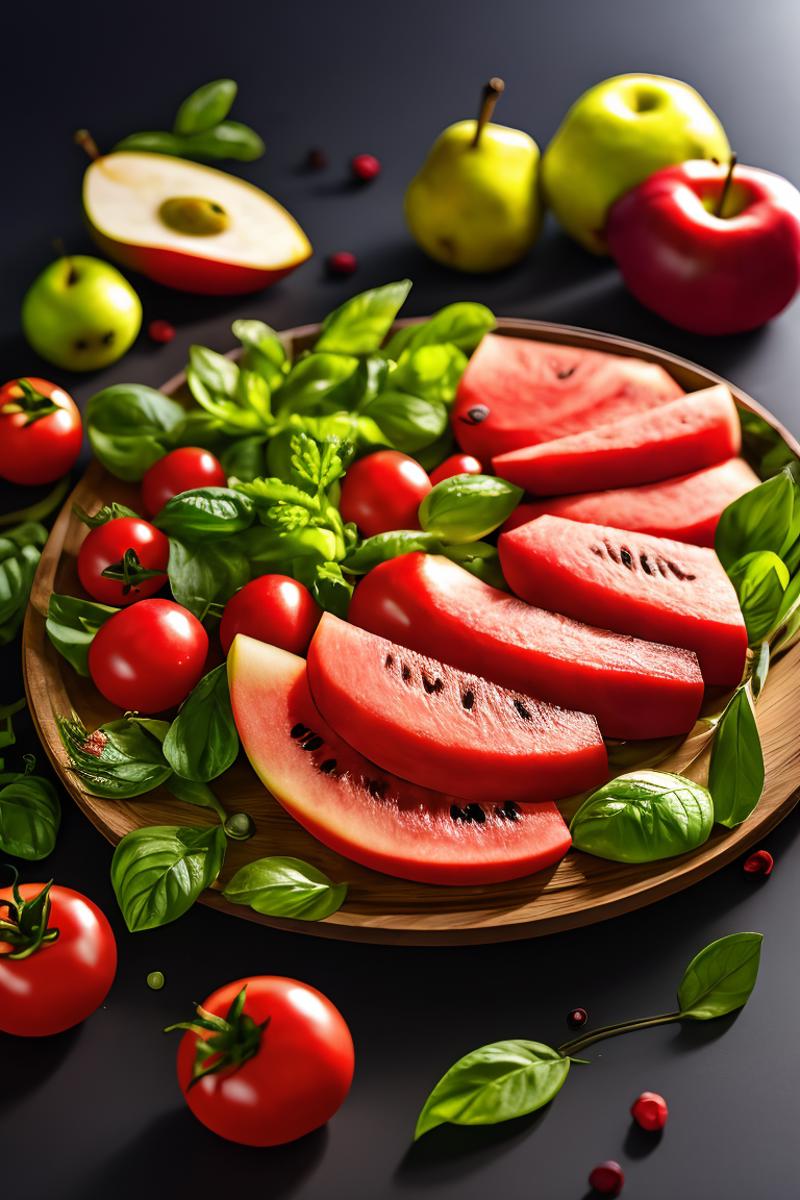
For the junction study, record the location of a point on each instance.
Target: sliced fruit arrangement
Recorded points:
(656, 588)
(368, 815)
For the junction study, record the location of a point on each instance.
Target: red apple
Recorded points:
(705, 272)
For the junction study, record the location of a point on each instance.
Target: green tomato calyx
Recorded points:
(26, 927)
(231, 1040)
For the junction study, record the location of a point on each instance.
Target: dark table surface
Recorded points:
(96, 1112)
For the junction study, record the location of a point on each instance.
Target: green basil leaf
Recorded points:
(153, 141)
(202, 741)
(760, 579)
(384, 546)
(763, 446)
(760, 669)
(495, 1083)
(158, 872)
(360, 324)
(429, 457)
(721, 977)
(407, 422)
(264, 351)
(229, 139)
(286, 887)
(253, 395)
(189, 791)
(245, 458)
(314, 385)
(206, 512)
(432, 372)
(218, 375)
(19, 557)
(736, 770)
(205, 107)
(326, 582)
(101, 516)
(71, 625)
(205, 573)
(787, 622)
(465, 508)
(766, 518)
(121, 759)
(643, 817)
(481, 560)
(463, 324)
(128, 427)
(198, 428)
(271, 549)
(30, 815)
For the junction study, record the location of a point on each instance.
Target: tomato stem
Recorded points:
(27, 927)
(233, 1039)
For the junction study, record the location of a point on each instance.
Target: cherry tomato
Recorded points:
(297, 1074)
(272, 608)
(383, 492)
(180, 471)
(114, 560)
(148, 657)
(456, 464)
(63, 980)
(34, 448)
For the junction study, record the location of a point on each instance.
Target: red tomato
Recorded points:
(126, 547)
(298, 1072)
(180, 471)
(63, 981)
(456, 464)
(148, 657)
(274, 609)
(383, 492)
(37, 449)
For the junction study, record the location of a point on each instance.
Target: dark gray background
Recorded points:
(96, 1112)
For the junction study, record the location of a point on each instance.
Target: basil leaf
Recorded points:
(270, 549)
(205, 573)
(384, 546)
(481, 560)
(264, 351)
(198, 428)
(465, 508)
(721, 977)
(152, 141)
(219, 375)
(158, 872)
(313, 385)
(643, 817)
(432, 372)
(766, 518)
(286, 887)
(360, 324)
(128, 427)
(326, 582)
(495, 1083)
(787, 622)
(736, 770)
(30, 815)
(108, 512)
(229, 139)
(463, 324)
(19, 557)
(205, 107)
(206, 512)
(407, 422)
(760, 579)
(245, 458)
(760, 669)
(202, 741)
(189, 791)
(763, 446)
(71, 625)
(121, 759)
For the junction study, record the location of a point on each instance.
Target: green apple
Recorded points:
(616, 135)
(474, 204)
(81, 314)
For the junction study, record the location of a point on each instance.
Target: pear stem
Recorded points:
(726, 187)
(489, 97)
(85, 140)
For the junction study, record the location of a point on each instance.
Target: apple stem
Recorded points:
(85, 140)
(726, 187)
(489, 97)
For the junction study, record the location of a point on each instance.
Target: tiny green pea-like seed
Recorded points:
(194, 215)
(155, 980)
(240, 826)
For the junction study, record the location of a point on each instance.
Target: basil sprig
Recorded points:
(202, 741)
(30, 813)
(643, 817)
(281, 886)
(736, 769)
(158, 872)
(465, 508)
(200, 129)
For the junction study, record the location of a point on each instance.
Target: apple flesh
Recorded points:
(188, 226)
(707, 273)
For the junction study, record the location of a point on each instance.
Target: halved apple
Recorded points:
(189, 226)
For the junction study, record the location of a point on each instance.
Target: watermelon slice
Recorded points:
(636, 689)
(447, 729)
(655, 588)
(358, 810)
(686, 508)
(685, 435)
(517, 392)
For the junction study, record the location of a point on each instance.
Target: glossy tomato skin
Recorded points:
(45, 449)
(179, 471)
(383, 491)
(295, 1082)
(456, 464)
(272, 608)
(65, 981)
(106, 545)
(148, 657)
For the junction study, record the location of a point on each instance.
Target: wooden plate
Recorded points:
(580, 890)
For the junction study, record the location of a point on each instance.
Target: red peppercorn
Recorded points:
(317, 160)
(650, 1111)
(577, 1018)
(342, 263)
(161, 332)
(760, 862)
(365, 167)
(607, 1178)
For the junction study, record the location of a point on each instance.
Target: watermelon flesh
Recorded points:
(685, 435)
(517, 392)
(635, 688)
(447, 729)
(686, 508)
(360, 811)
(655, 588)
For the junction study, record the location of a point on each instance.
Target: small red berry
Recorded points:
(365, 167)
(760, 862)
(161, 332)
(577, 1018)
(342, 263)
(650, 1111)
(317, 160)
(607, 1178)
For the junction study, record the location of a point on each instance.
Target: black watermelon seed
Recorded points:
(512, 810)
(625, 555)
(455, 813)
(565, 372)
(377, 788)
(432, 686)
(645, 564)
(406, 673)
(468, 699)
(522, 710)
(313, 743)
(328, 766)
(500, 812)
(476, 813)
(299, 731)
(389, 660)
